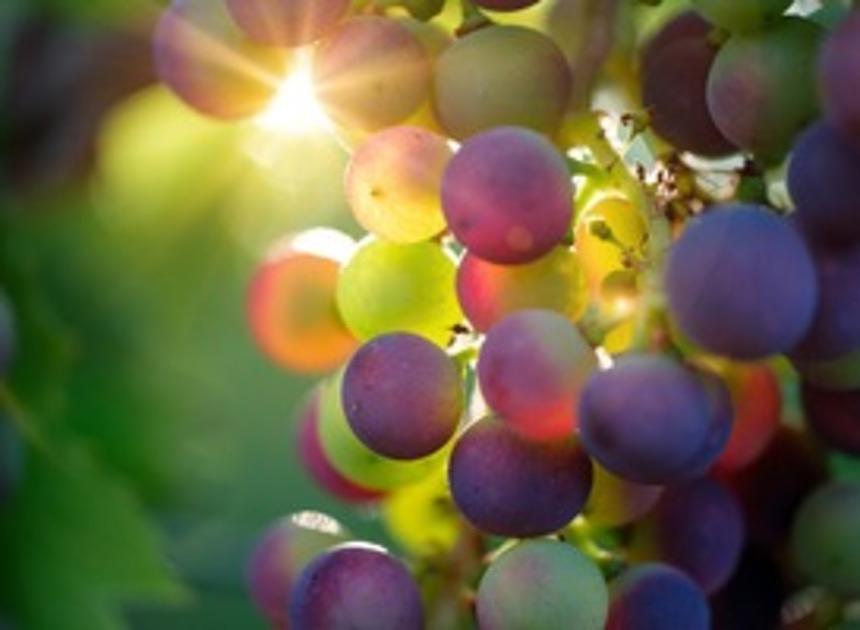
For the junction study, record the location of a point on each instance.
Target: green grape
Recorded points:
(353, 459)
(542, 585)
(826, 537)
(741, 15)
(406, 288)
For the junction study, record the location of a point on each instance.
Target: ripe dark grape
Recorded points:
(675, 77)
(835, 328)
(824, 181)
(291, 304)
(508, 485)
(8, 334)
(825, 541)
(402, 396)
(505, 5)
(542, 585)
(746, 16)
(753, 598)
(501, 75)
(839, 72)
(614, 501)
(507, 196)
(761, 89)
(757, 403)
(697, 527)
(647, 419)
(317, 463)
(287, 22)
(281, 554)
(656, 597)
(531, 369)
(393, 184)
(359, 586)
(207, 61)
(488, 291)
(771, 489)
(834, 416)
(371, 73)
(686, 25)
(741, 283)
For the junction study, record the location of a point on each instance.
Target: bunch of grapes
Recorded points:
(561, 364)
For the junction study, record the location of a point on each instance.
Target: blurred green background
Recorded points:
(158, 440)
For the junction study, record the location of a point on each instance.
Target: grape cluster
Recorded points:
(562, 364)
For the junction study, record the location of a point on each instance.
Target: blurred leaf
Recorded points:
(75, 544)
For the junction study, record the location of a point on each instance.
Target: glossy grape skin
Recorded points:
(834, 417)
(749, 15)
(741, 283)
(646, 419)
(696, 527)
(839, 74)
(757, 402)
(202, 56)
(507, 485)
(386, 287)
(542, 585)
(531, 369)
(772, 488)
(287, 22)
(488, 291)
(507, 196)
(8, 334)
(353, 459)
(824, 182)
(674, 87)
(835, 328)
(825, 543)
(761, 89)
(393, 183)
(358, 586)
(281, 554)
(656, 597)
(402, 395)
(316, 462)
(614, 501)
(291, 306)
(505, 5)
(500, 76)
(372, 73)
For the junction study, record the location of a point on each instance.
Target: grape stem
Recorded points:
(472, 20)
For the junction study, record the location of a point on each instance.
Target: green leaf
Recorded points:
(75, 545)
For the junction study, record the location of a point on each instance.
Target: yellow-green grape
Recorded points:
(353, 459)
(615, 501)
(386, 287)
(603, 233)
(422, 517)
(393, 184)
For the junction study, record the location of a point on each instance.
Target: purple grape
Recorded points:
(508, 485)
(761, 88)
(656, 597)
(722, 414)
(287, 22)
(741, 283)
(824, 181)
(402, 396)
(834, 417)
(835, 328)
(675, 72)
(282, 553)
(8, 334)
(839, 73)
(507, 195)
(696, 527)
(531, 369)
(356, 586)
(648, 419)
